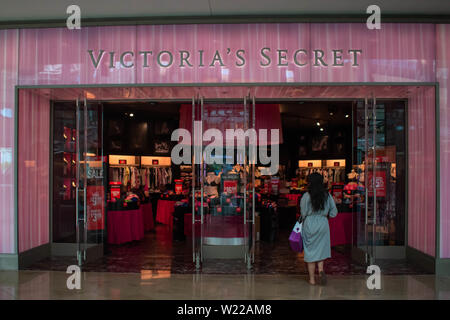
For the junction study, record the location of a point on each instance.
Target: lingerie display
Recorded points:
(212, 182)
(150, 178)
(330, 174)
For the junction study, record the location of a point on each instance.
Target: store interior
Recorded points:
(147, 221)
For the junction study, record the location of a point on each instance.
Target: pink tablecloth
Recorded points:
(164, 212)
(293, 197)
(216, 226)
(147, 216)
(341, 229)
(188, 226)
(125, 226)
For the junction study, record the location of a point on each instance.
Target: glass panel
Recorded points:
(80, 189)
(197, 178)
(379, 214)
(64, 173)
(90, 176)
(222, 181)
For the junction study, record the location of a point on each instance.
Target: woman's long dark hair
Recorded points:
(317, 191)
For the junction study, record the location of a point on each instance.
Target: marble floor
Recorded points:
(162, 284)
(159, 252)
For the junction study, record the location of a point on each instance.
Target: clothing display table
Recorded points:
(226, 227)
(147, 216)
(293, 197)
(341, 229)
(188, 225)
(125, 226)
(269, 224)
(165, 211)
(216, 227)
(179, 222)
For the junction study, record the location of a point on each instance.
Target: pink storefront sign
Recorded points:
(234, 53)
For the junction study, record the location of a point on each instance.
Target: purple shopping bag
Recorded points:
(295, 239)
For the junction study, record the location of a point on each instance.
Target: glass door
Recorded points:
(249, 195)
(370, 178)
(197, 181)
(379, 179)
(222, 190)
(90, 182)
(359, 193)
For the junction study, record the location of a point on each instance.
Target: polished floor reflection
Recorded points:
(164, 285)
(159, 252)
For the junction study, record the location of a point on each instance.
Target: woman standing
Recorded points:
(316, 206)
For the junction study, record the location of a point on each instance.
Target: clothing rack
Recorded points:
(155, 166)
(123, 165)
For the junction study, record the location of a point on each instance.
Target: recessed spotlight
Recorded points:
(321, 129)
(131, 114)
(347, 116)
(331, 113)
(318, 123)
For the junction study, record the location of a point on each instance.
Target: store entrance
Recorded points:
(142, 208)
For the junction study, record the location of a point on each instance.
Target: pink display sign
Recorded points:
(292, 52)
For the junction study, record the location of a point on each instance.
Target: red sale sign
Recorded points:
(95, 207)
(230, 186)
(380, 183)
(178, 186)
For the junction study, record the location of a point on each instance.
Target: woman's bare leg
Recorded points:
(322, 276)
(320, 266)
(311, 271)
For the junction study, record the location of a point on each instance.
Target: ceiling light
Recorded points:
(318, 123)
(331, 113)
(131, 114)
(321, 129)
(347, 116)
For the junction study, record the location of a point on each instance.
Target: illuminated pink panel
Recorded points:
(49, 56)
(60, 56)
(204, 41)
(110, 39)
(9, 41)
(34, 170)
(396, 53)
(443, 76)
(422, 171)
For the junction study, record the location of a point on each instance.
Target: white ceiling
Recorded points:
(42, 10)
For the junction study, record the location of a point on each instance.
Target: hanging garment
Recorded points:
(146, 175)
(126, 176)
(133, 178)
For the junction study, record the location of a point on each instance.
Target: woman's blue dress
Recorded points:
(316, 231)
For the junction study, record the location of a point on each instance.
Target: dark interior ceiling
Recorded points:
(142, 109)
(304, 114)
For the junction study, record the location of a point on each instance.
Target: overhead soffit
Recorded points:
(26, 10)
(186, 93)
